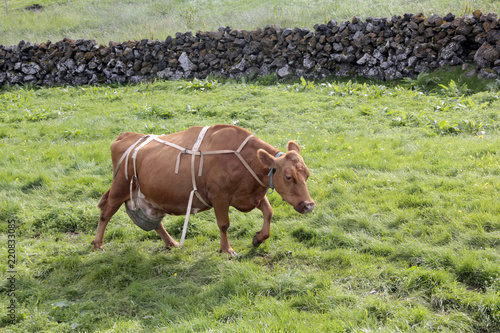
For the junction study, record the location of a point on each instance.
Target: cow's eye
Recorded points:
(288, 178)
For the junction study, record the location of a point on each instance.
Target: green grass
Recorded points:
(157, 19)
(405, 236)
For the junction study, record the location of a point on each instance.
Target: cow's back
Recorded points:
(184, 139)
(156, 163)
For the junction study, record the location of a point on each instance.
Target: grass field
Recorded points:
(111, 20)
(405, 236)
(405, 176)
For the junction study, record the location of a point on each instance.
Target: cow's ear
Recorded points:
(292, 145)
(266, 159)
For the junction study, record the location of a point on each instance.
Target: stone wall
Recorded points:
(382, 48)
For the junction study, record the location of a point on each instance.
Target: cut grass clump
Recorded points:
(67, 219)
(477, 274)
(9, 211)
(36, 183)
(325, 240)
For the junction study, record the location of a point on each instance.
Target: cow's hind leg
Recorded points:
(167, 239)
(265, 232)
(109, 205)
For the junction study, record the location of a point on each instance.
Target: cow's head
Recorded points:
(290, 177)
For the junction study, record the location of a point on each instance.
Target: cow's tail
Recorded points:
(103, 200)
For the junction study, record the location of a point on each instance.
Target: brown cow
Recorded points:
(163, 176)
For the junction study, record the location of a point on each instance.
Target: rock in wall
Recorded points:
(381, 48)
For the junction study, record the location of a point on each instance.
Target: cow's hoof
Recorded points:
(230, 252)
(173, 245)
(97, 247)
(255, 241)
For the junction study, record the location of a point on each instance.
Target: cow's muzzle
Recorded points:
(305, 207)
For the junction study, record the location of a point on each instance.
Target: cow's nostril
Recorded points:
(309, 207)
(305, 207)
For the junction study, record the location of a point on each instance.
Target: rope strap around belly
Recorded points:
(195, 149)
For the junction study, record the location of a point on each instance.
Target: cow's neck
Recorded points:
(266, 174)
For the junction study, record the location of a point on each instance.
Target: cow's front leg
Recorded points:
(264, 233)
(167, 239)
(222, 216)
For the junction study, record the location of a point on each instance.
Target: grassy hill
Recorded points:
(110, 20)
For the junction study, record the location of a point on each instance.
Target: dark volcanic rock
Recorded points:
(382, 48)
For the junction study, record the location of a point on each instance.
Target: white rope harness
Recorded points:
(146, 139)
